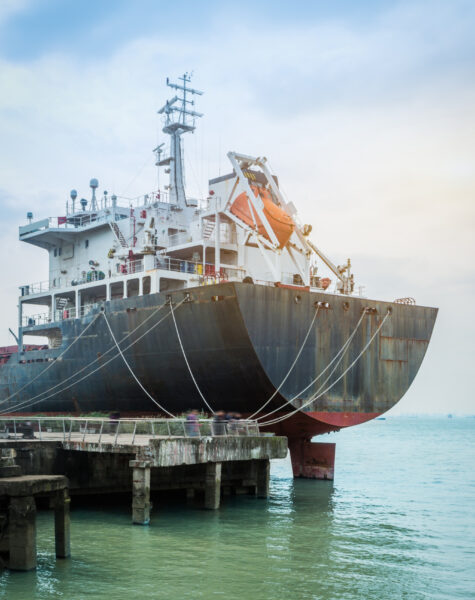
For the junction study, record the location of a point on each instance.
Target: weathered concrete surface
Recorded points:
(171, 452)
(21, 531)
(203, 465)
(212, 485)
(188, 451)
(94, 469)
(62, 524)
(30, 485)
(263, 479)
(140, 492)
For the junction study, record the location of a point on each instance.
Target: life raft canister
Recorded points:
(281, 223)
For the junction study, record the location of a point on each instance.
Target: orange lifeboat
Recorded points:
(279, 220)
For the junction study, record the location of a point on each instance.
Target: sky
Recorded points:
(365, 110)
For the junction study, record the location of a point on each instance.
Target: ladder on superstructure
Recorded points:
(118, 234)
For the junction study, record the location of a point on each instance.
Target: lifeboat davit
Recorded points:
(279, 220)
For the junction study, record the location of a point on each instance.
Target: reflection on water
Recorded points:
(397, 523)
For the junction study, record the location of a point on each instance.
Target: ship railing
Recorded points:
(130, 267)
(40, 287)
(116, 431)
(207, 272)
(59, 314)
(106, 202)
(36, 319)
(62, 314)
(226, 236)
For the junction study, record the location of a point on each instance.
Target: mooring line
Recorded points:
(27, 403)
(186, 360)
(316, 397)
(291, 367)
(339, 355)
(146, 392)
(51, 364)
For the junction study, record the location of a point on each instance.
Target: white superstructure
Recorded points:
(101, 250)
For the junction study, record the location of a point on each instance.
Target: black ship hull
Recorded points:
(240, 341)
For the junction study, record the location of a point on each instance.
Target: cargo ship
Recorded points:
(164, 303)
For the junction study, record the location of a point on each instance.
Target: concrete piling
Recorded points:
(62, 524)
(262, 478)
(140, 492)
(22, 533)
(213, 485)
(20, 492)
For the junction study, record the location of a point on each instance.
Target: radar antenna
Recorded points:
(179, 119)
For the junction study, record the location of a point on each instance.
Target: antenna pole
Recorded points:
(179, 119)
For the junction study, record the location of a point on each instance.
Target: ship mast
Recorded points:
(179, 119)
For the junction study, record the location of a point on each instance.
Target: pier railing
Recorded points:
(121, 431)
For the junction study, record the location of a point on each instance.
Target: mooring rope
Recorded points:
(51, 364)
(316, 397)
(186, 359)
(338, 357)
(291, 367)
(146, 392)
(26, 403)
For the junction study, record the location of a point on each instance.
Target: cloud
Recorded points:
(369, 126)
(9, 8)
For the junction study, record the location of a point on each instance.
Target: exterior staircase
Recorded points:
(208, 228)
(118, 234)
(61, 303)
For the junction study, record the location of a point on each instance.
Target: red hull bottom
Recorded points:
(314, 460)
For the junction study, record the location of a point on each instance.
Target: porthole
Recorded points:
(298, 299)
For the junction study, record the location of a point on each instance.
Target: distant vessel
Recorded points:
(170, 302)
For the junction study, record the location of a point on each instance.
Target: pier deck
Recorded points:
(97, 461)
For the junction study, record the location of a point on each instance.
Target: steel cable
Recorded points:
(131, 371)
(291, 367)
(340, 354)
(186, 360)
(51, 364)
(316, 397)
(29, 402)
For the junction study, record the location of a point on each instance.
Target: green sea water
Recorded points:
(398, 522)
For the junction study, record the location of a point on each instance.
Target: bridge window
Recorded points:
(117, 290)
(146, 285)
(132, 288)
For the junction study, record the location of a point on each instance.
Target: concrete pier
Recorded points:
(203, 467)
